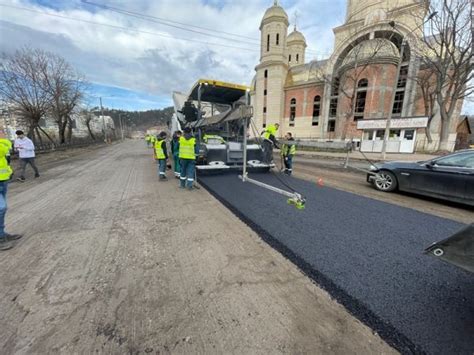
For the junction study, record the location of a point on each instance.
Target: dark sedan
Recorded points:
(450, 177)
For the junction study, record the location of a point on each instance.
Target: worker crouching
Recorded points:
(288, 150)
(187, 156)
(161, 154)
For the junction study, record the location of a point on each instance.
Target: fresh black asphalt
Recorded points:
(368, 255)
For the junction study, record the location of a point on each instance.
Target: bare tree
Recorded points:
(447, 48)
(87, 116)
(349, 76)
(425, 80)
(66, 88)
(23, 86)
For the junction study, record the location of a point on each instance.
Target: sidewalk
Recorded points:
(375, 157)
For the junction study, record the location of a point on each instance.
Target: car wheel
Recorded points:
(385, 181)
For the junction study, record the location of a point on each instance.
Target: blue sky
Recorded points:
(135, 63)
(139, 70)
(115, 97)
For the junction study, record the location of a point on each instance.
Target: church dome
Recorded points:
(273, 13)
(295, 36)
(374, 49)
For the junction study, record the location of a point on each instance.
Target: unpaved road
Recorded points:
(114, 261)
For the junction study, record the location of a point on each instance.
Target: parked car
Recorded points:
(450, 177)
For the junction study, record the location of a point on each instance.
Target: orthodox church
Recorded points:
(348, 96)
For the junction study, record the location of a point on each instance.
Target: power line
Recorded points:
(160, 21)
(131, 13)
(151, 19)
(128, 29)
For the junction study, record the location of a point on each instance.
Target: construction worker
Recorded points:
(288, 150)
(269, 141)
(188, 151)
(175, 153)
(5, 175)
(161, 154)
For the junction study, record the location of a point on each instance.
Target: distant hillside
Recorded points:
(141, 120)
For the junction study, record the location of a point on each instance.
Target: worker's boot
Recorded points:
(182, 183)
(5, 244)
(10, 237)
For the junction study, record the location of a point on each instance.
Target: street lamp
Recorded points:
(397, 77)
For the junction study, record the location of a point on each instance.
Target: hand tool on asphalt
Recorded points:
(295, 198)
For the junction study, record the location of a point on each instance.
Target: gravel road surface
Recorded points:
(114, 261)
(368, 254)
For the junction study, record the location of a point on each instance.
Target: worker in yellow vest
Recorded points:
(288, 150)
(188, 150)
(269, 141)
(5, 175)
(161, 154)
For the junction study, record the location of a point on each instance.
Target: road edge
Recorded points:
(356, 308)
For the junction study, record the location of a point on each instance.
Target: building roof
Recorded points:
(295, 36)
(306, 73)
(371, 49)
(275, 12)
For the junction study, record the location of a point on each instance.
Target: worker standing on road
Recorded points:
(288, 150)
(188, 151)
(161, 154)
(153, 139)
(26, 149)
(269, 141)
(5, 174)
(175, 153)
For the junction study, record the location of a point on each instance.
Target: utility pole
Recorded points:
(121, 124)
(392, 101)
(389, 117)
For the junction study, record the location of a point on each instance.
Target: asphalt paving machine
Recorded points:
(220, 115)
(214, 110)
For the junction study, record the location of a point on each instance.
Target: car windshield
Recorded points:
(464, 160)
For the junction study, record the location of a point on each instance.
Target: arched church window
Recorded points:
(297, 58)
(278, 39)
(292, 112)
(316, 110)
(360, 99)
(268, 42)
(289, 58)
(265, 73)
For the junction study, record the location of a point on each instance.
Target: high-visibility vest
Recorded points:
(159, 152)
(270, 131)
(186, 148)
(213, 136)
(5, 169)
(287, 149)
(153, 139)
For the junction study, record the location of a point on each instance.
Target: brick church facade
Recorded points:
(348, 96)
